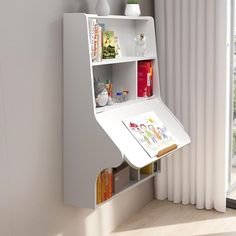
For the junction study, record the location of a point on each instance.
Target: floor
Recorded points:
(163, 218)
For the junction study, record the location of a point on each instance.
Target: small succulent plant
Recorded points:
(132, 1)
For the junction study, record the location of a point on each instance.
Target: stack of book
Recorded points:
(145, 79)
(96, 40)
(104, 44)
(104, 185)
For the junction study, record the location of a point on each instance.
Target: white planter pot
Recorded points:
(132, 10)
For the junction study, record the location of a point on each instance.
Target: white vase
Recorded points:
(102, 8)
(132, 10)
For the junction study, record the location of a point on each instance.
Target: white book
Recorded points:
(99, 43)
(93, 40)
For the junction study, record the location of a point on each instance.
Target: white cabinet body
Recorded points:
(95, 138)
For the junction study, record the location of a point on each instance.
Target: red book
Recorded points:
(145, 79)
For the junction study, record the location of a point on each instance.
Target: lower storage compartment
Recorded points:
(113, 181)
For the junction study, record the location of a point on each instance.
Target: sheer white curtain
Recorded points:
(192, 37)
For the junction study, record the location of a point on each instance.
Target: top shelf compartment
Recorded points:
(123, 33)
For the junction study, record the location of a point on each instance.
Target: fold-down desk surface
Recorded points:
(133, 153)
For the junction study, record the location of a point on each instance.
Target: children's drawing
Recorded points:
(150, 132)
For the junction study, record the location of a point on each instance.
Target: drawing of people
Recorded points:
(133, 126)
(149, 134)
(155, 132)
(162, 131)
(146, 131)
(150, 120)
(146, 139)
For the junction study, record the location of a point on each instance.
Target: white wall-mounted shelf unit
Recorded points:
(95, 138)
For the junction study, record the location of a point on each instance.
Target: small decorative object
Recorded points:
(119, 98)
(125, 95)
(109, 47)
(141, 45)
(117, 47)
(109, 89)
(110, 101)
(132, 8)
(101, 94)
(102, 8)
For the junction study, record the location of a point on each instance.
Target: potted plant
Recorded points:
(132, 8)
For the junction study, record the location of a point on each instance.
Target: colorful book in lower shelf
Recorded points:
(147, 169)
(99, 189)
(151, 134)
(104, 185)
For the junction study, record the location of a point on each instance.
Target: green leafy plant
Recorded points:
(132, 1)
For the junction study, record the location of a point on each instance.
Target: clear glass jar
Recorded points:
(125, 95)
(119, 98)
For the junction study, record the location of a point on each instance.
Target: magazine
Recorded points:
(151, 134)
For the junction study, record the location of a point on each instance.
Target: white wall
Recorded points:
(31, 126)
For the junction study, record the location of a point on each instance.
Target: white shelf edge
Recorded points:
(122, 60)
(129, 186)
(120, 17)
(122, 104)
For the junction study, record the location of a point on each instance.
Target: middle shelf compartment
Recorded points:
(122, 77)
(126, 78)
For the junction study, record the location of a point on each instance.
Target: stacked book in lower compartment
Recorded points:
(104, 185)
(113, 180)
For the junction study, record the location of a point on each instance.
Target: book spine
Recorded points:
(155, 167)
(107, 183)
(110, 183)
(145, 79)
(94, 42)
(142, 81)
(92, 37)
(104, 193)
(99, 189)
(148, 84)
(151, 74)
(147, 169)
(99, 43)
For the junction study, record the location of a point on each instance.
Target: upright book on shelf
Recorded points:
(145, 79)
(94, 38)
(151, 134)
(109, 50)
(99, 189)
(104, 185)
